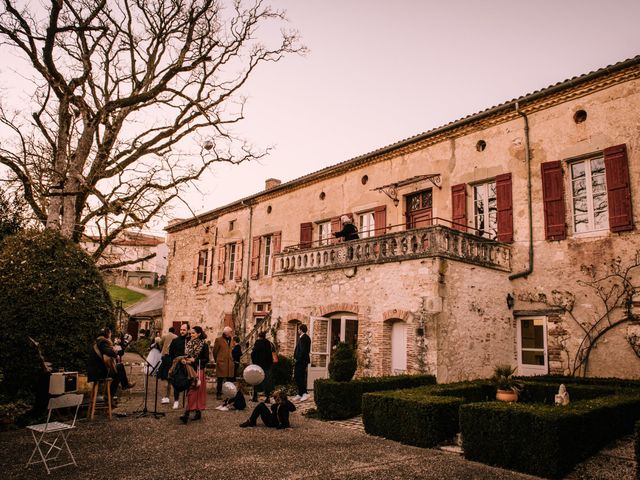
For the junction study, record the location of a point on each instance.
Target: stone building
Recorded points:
(507, 236)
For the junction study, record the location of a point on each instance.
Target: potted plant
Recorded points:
(508, 387)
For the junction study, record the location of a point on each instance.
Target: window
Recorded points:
(419, 209)
(231, 255)
(261, 310)
(266, 257)
(366, 225)
(232, 225)
(485, 209)
(532, 346)
(324, 233)
(202, 267)
(589, 195)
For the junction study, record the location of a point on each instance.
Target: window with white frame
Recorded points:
(231, 253)
(266, 256)
(589, 195)
(202, 266)
(324, 233)
(485, 209)
(366, 225)
(261, 310)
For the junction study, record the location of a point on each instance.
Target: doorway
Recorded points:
(532, 346)
(419, 211)
(325, 335)
(398, 347)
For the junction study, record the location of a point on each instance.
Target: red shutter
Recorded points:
(306, 235)
(237, 273)
(194, 276)
(255, 258)
(459, 207)
(616, 167)
(276, 246)
(380, 220)
(222, 255)
(504, 200)
(336, 226)
(553, 200)
(228, 320)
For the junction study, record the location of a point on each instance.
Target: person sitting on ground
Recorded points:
(349, 230)
(236, 403)
(278, 417)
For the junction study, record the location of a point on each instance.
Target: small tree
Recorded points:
(343, 363)
(51, 291)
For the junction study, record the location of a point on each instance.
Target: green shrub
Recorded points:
(423, 416)
(343, 364)
(539, 392)
(50, 290)
(282, 372)
(620, 383)
(141, 346)
(340, 400)
(544, 440)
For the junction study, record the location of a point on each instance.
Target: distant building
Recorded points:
(131, 246)
(480, 244)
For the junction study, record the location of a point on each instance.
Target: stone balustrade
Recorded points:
(434, 241)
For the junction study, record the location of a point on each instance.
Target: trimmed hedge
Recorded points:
(544, 440)
(620, 383)
(341, 400)
(424, 416)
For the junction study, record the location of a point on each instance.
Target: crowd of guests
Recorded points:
(180, 360)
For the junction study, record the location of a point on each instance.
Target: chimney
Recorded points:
(271, 183)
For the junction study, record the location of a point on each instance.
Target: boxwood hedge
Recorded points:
(422, 416)
(637, 442)
(543, 439)
(341, 400)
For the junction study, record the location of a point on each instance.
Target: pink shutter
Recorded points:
(276, 246)
(380, 220)
(222, 255)
(553, 201)
(255, 258)
(459, 207)
(194, 276)
(237, 274)
(504, 200)
(616, 167)
(336, 226)
(306, 235)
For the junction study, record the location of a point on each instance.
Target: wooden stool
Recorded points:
(94, 397)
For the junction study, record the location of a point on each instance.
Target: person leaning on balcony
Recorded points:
(349, 230)
(223, 359)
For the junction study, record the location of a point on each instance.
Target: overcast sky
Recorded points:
(379, 71)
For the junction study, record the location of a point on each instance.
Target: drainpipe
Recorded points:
(527, 153)
(248, 262)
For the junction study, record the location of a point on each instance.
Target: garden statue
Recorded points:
(562, 398)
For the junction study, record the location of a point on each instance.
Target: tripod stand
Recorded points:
(151, 370)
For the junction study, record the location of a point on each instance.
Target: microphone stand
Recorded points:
(145, 412)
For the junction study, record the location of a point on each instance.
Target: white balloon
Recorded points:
(229, 390)
(253, 374)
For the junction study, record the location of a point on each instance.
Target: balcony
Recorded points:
(432, 241)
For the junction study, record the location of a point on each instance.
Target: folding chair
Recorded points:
(50, 450)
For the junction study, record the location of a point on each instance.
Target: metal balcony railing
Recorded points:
(431, 241)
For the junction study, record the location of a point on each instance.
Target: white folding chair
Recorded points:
(47, 447)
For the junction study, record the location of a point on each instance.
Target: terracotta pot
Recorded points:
(506, 396)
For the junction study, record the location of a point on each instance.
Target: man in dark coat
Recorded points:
(301, 355)
(101, 352)
(176, 349)
(261, 356)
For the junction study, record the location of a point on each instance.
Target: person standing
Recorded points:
(301, 356)
(165, 360)
(261, 356)
(101, 353)
(223, 359)
(196, 355)
(176, 349)
(236, 353)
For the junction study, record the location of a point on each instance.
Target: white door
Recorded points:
(532, 346)
(398, 348)
(320, 338)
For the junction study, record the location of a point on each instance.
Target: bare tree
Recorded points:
(121, 89)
